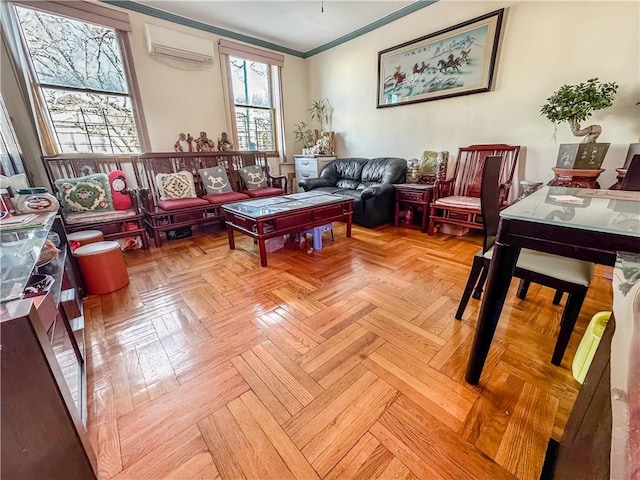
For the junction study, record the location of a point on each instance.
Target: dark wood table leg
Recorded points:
(349, 219)
(232, 241)
(425, 218)
(501, 269)
(261, 243)
(396, 220)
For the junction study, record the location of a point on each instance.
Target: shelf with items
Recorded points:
(19, 251)
(43, 395)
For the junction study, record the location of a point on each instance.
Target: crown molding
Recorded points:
(171, 17)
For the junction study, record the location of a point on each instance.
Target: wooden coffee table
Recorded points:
(271, 217)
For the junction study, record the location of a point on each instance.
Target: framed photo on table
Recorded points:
(458, 60)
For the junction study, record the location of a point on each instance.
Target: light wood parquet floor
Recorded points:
(345, 362)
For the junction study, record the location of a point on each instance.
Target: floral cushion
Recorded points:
(215, 180)
(253, 177)
(85, 194)
(176, 185)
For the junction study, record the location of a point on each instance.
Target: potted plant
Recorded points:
(574, 104)
(321, 110)
(304, 135)
(317, 142)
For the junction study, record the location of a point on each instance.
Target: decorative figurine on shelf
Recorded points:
(224, 145)
(204, 144)
(184, 143)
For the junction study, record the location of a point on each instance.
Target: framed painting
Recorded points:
(458, 60)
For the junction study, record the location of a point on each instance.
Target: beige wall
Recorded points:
(177, 101)
(545, 45)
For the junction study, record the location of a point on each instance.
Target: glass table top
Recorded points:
(608, 211)
(264, 207)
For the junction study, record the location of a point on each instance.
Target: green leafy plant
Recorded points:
(304, 134)
(321, 110)
(575, 103)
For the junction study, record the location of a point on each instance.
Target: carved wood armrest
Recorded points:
(442, 188)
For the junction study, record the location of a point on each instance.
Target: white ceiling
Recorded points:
(295, 24)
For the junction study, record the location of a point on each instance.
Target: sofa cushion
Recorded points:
(253, 177)
(173, 186)
(344, 172)
(80, 218)
(220, 198)
(179, 203)
(264, 192)
(215, 180)
(85, 194)
(383, 170)
(458, 201)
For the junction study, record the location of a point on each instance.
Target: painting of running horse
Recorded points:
(459, 60)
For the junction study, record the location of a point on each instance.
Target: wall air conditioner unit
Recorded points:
(178, 49)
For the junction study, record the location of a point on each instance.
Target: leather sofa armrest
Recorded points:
(311, 183)
(376, 190)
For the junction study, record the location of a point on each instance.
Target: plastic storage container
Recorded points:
(589, 345)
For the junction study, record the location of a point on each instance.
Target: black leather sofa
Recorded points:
(368, 181)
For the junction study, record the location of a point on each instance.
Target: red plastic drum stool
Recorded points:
(85, 237)
(102, 266)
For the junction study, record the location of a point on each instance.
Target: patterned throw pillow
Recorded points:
(173, 186)
(85, 194)
(253, 177)
(215, 180)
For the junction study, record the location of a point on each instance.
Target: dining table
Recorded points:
(600, 226)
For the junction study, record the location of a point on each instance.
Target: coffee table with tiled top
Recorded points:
(272, 217)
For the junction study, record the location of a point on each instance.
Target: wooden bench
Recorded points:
(162, 215)
(113, 224)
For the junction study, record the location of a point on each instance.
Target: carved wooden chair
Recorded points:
(561, 273)
(456, 201)
(113, 224)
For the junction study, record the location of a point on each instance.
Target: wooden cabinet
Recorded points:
(42, 389)
(310, 166)
(413, 196)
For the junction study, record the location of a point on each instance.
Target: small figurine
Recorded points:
(224, 144)
(203, 144)
(184, 143)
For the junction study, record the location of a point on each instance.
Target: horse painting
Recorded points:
(451, 62)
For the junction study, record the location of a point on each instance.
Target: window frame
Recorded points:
(87, 13)
(274, 62)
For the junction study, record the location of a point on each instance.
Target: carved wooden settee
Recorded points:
(87, 174)
(216, 178)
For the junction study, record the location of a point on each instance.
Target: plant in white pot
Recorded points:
(575, 104)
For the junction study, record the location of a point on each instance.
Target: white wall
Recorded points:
(545, 45)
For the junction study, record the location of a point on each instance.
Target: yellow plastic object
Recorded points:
(588, 345)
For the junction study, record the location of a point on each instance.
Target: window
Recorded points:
(254, 91)
(79, 71)
(253, 104)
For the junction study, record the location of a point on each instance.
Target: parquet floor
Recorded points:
(341, 363)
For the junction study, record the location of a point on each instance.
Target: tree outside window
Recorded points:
(79, 70)
(253, 104)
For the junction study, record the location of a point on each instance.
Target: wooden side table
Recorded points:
(416, 194)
